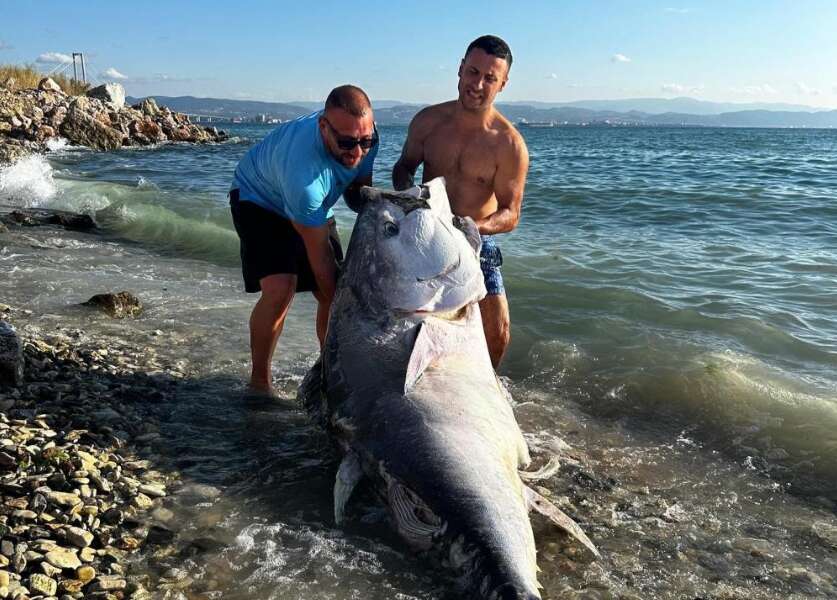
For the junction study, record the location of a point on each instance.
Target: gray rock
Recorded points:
(148, 107)
(11, 356)
(11, 152)
(63, 558)
(79, 537)
(48, 84)
(63, 498)
(153, 490)
(118, 305)
(39, 217)
(108, 583)
(109, 92)
(826, 533)
(80, 127)
(41, 584)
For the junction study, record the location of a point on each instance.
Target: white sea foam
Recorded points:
(57, 144)
(27, 183)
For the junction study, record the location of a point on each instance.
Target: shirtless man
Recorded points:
(484, 161)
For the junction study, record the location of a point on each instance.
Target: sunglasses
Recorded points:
(345, 142)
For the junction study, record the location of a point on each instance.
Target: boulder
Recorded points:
(56, 116)
(81, 127)
(35, 217)
(11, 151)
(147, 129)
(11, 356)
(109, 92)
(182, 134)
(44, 132)
(118, 305)
(148, 107)
(48, 84)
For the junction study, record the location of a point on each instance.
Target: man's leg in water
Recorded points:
(497, 326)
(266, 323)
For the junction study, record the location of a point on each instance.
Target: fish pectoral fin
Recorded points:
(348, 476)
(552, 466)
(559, 518)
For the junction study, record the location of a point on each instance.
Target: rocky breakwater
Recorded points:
(78, 481)
(29, 118)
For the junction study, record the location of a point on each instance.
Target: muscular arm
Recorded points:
(412, 155)
(509, 182)
(321, 256)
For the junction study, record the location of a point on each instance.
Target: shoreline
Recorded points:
(31, 118)
(82, 488)
(621, 484)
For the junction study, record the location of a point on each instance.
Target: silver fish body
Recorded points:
(406, 388)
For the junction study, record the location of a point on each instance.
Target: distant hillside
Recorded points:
(657, 106)
(392, 112)
(230, 109)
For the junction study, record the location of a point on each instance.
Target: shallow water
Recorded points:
(674, 317)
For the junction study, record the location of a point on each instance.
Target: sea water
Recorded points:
(673, 298)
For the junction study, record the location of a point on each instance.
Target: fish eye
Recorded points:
(390, 229)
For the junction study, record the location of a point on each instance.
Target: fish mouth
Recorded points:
(449, 315)
(448, 270)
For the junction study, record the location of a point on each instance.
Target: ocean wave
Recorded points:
(731, 401)
(27, 183)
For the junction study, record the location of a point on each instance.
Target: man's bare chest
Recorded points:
(457, 158)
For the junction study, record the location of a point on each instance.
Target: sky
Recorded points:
(564, 50)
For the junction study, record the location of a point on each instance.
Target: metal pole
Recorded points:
(83, 74)
(75, 72)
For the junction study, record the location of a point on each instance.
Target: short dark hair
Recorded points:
(491, 44)
(350, 98)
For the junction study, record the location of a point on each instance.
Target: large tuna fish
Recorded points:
(405, 386)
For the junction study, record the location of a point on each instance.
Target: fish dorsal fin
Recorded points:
(559, 518)
(439, 337)
(348, 476)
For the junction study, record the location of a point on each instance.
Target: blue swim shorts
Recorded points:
(491, 259)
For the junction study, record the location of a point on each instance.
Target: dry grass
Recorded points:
(28, 76)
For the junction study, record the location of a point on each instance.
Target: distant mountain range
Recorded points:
(636, 112)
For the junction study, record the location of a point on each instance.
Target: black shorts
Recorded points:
(270, 245)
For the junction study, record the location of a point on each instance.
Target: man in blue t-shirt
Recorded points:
(281, 200)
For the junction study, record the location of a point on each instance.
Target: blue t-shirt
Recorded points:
(292, 173)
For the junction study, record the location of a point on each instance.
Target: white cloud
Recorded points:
(763, 89)
(802, 88)
(164, 78)
(575, 85)
(677, 88)
(620, 58)
(112, 73)
(552, 76)
(54, 58)
(673, 88)
(5, 46)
